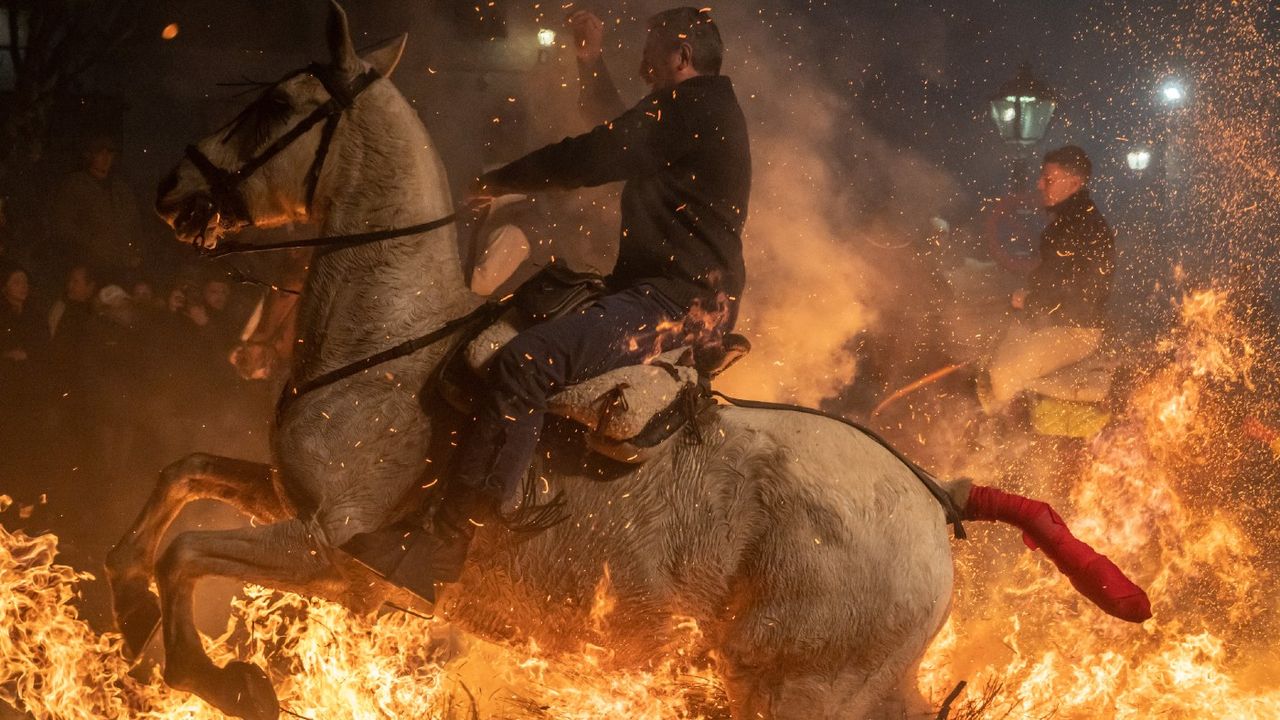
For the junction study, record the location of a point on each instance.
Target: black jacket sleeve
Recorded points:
(598, 97)
(641, 141)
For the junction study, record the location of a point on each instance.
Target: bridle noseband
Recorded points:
(224, 185)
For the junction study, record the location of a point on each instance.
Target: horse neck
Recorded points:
(384, 173)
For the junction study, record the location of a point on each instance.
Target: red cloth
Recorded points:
(1090, 572)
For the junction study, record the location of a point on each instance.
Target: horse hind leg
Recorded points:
(283, 556)
(130, 565)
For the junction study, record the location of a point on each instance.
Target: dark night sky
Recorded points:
(918, 72)
(912, 75)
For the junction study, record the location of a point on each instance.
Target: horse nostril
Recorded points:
(167, 185)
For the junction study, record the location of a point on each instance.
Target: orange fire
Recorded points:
(1026, 643)
(1031, 649)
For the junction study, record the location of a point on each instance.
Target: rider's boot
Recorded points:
(416, 555)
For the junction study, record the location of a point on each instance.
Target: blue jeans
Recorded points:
(614, 331)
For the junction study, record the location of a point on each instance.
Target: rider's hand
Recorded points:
(588, 35)
(480, 195)
(254, 360)
(1019, 299)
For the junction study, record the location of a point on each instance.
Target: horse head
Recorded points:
(263, 168)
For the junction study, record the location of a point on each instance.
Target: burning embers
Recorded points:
(326, 663)
(703, 327)
(1028, 645)
(1146, 501)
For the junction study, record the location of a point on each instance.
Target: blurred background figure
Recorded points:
(94, 216)
(23, 343)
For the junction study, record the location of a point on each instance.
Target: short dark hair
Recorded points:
(694, 27)
(1072, 158)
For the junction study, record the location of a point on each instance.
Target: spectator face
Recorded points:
(176, 300)
(142, 293)
(215, 295)
(100, 162)
(16, 288)
(80, 287)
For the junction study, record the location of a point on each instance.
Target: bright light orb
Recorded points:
(1172, 92)
(546, 37)
(1138, 159)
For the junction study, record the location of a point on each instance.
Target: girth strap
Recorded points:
(484, 313)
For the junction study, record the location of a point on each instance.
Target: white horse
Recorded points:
(816, 563)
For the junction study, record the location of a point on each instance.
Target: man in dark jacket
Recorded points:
(683, 154)
(1077, 250)
(1066, 295)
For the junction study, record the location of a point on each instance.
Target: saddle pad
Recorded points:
(490, 340)
(619, 404)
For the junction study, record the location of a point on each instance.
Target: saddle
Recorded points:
(628, 413)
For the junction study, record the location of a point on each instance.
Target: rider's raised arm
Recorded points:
(641, 141)
(598, 98)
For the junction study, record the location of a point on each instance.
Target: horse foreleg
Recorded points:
(282, 556)
(247, 486)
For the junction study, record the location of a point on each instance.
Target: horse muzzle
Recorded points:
(198, 220)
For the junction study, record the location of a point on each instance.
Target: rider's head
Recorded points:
(1065, 172)
(682, 43)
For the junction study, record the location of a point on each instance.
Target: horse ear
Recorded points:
(386, 55)
(342, 54)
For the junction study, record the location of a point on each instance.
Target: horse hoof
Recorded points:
(137, 612)
(246, 692)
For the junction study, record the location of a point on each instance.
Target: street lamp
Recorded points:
(1022, 108)
(546, 41)
(1172, 92)
(1138, 159)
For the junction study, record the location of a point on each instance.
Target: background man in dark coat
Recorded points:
(1072, 283)
(683, 154)
(1066, 295)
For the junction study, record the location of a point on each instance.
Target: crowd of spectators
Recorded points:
(112, 366)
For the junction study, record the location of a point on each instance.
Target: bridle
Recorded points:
(224, 185)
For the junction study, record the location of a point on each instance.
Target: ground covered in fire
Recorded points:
(1169, 491)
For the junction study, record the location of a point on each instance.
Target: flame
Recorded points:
(1025, 642)
(703, 325)
(1139, 502)
(325, 661)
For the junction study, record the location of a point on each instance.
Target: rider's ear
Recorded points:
(686, 55)
(342, 54)
(386, 55)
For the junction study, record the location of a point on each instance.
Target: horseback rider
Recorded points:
(1064, 301)
(683, 154)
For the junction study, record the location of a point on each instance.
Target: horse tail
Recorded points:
(1091, 573)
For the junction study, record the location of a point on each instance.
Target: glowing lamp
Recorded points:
(546, 38)
(1172, 92)
(1022, 108)
(1139, 159)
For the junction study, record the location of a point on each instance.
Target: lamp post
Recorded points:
(546, 41)
(1138, 159)
(1021, 109)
